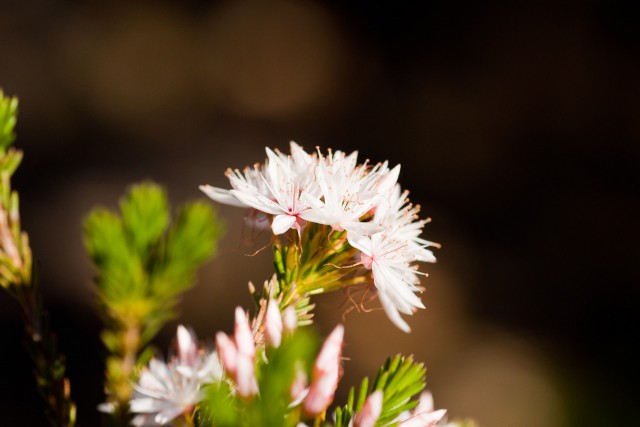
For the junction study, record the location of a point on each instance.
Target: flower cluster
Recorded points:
(166, 391)
(333, 190)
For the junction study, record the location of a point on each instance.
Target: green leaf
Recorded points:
(221, 408)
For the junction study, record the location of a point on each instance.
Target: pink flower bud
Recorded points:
(371, 410)
(299, 386)
(245, 377)
(326, 373)
(290, 319)
(273, 324)
(242, 333)
(227, 352)
(329, 357)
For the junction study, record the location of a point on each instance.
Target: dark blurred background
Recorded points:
(517, 128)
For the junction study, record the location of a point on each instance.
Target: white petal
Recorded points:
(394, 285)
(187, 346)
(392, 313)
(360, 242)
(221, 195)
(318, 215)
(282, 223)
(167, 415)
(258, 201)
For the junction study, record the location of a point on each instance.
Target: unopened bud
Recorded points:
(326, 373)
(227, 352)
(245, 377)
(273, 324)
(290, 319)
(242, 333)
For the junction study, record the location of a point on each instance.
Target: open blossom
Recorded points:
(348, 192)
(167, 390)
(400, 220)
(394, 277)
(279, 188)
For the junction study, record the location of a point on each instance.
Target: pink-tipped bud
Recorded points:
(290, 319)
(242, 333)
(326, 373)
(187, 347)
(329, 357)
(299, 386)
(245, 377)
(371, 410)
(273, 324)
(227, 352)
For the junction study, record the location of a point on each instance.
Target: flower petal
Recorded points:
(392, 313)
(282, 223)
(221, 195)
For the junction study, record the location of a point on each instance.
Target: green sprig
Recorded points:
(17, 278)
(144, 262)
(399, 379)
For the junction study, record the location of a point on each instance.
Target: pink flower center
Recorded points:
(366, 261)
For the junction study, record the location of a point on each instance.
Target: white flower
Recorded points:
(167, 390)
(348, 192)
(393, 276)
(400, 219)
(281, 188)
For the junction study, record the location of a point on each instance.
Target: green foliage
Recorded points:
(399, 379)
(8, 119)
(275, 376)
(142, 260)
(144, 264)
